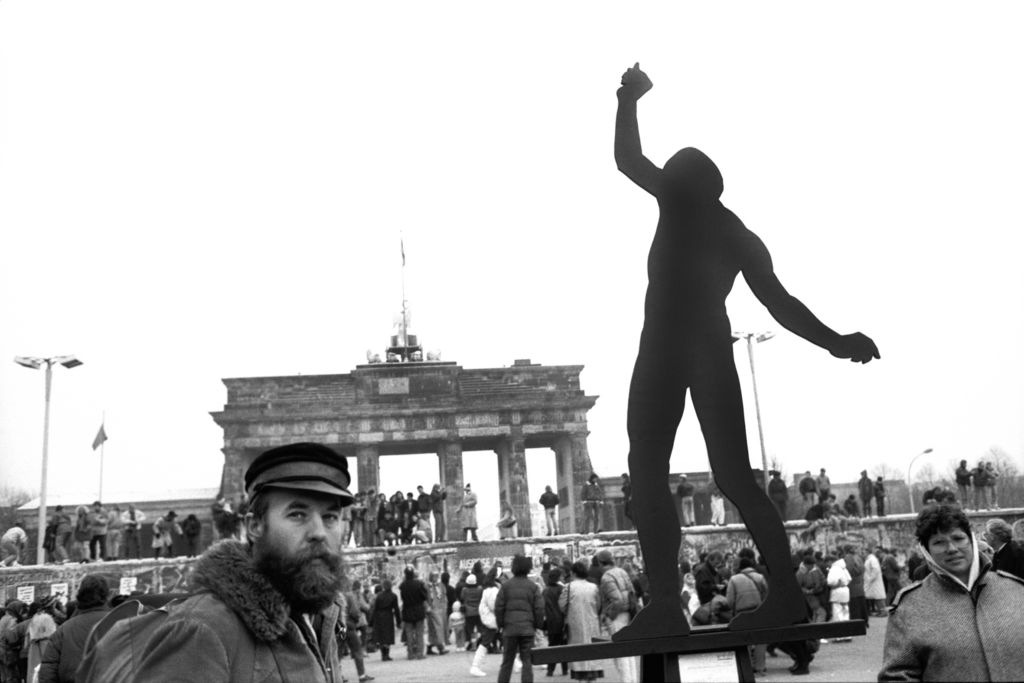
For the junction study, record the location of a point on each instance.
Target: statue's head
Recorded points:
(692, 175)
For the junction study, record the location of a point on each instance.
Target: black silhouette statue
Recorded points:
(699, 247)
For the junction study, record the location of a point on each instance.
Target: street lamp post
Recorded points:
(910, 490)
(751, 337)
(36, 363)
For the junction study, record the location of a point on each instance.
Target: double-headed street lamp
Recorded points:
(758, 337)
(910, 490)
(35, 364)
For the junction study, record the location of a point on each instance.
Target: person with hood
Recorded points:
(488, 624)
(64, 653)
(964, 621)
(698, 250)
(267, 605)
(386, 616)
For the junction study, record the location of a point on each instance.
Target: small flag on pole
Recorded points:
(402, 243)
(101, 436)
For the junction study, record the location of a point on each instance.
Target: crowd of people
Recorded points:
(281, 597)
(98, 534)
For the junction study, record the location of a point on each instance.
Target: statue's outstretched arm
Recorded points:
(790, 312)
(629, 156)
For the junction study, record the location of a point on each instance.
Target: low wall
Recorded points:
(173, 574)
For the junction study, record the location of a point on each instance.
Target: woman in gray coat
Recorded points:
(963, 622)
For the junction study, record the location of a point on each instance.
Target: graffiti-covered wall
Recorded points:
(371, 564)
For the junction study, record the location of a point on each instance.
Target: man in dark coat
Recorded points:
(266, 606)
(414, 613)
(519, 609)
(1008, 554)
(880, 497)
(386, 617)
(64, 651)
(866, 489)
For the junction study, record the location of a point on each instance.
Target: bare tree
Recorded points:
(1002, 461)
(886, 471)
(11, 498)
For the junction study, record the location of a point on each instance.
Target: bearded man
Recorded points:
(266, 610)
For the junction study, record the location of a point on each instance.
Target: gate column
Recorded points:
(512, 482)
(573, 467)
(368, 467)
(449, 466)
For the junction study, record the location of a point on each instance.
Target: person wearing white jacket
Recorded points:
(838, 581)
(489, 625)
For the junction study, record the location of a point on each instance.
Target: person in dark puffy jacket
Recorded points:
(414, 613)
(519, 609)
(65, 649)
(470, 599)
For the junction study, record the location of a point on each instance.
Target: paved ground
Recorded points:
(859, 660)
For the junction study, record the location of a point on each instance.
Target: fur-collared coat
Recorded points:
(239, 628)
(938, 631)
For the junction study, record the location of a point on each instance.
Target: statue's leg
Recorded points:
(715, 391)
(656, 399)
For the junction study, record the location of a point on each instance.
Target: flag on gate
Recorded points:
(101, 436)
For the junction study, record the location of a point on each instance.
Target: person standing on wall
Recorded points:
(593, 501)
(468, 510)
(549, 501)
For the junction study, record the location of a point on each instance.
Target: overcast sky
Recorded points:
(198, 190)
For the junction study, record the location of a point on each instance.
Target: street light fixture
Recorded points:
(36, 363)
(910, 490)
(758, 337)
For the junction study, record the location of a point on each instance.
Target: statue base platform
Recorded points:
(662, 659)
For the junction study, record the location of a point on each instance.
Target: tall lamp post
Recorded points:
(910, 490)
(36, 363)
(758, 337)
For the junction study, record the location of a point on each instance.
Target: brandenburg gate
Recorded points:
(401, 408)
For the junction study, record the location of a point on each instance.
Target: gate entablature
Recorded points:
(429, 407)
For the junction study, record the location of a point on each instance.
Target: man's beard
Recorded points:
(309, 581)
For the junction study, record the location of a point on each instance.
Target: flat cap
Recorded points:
(300, 466)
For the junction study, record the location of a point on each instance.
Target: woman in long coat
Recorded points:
(386, 616)
(580, 601)
(874, 587)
